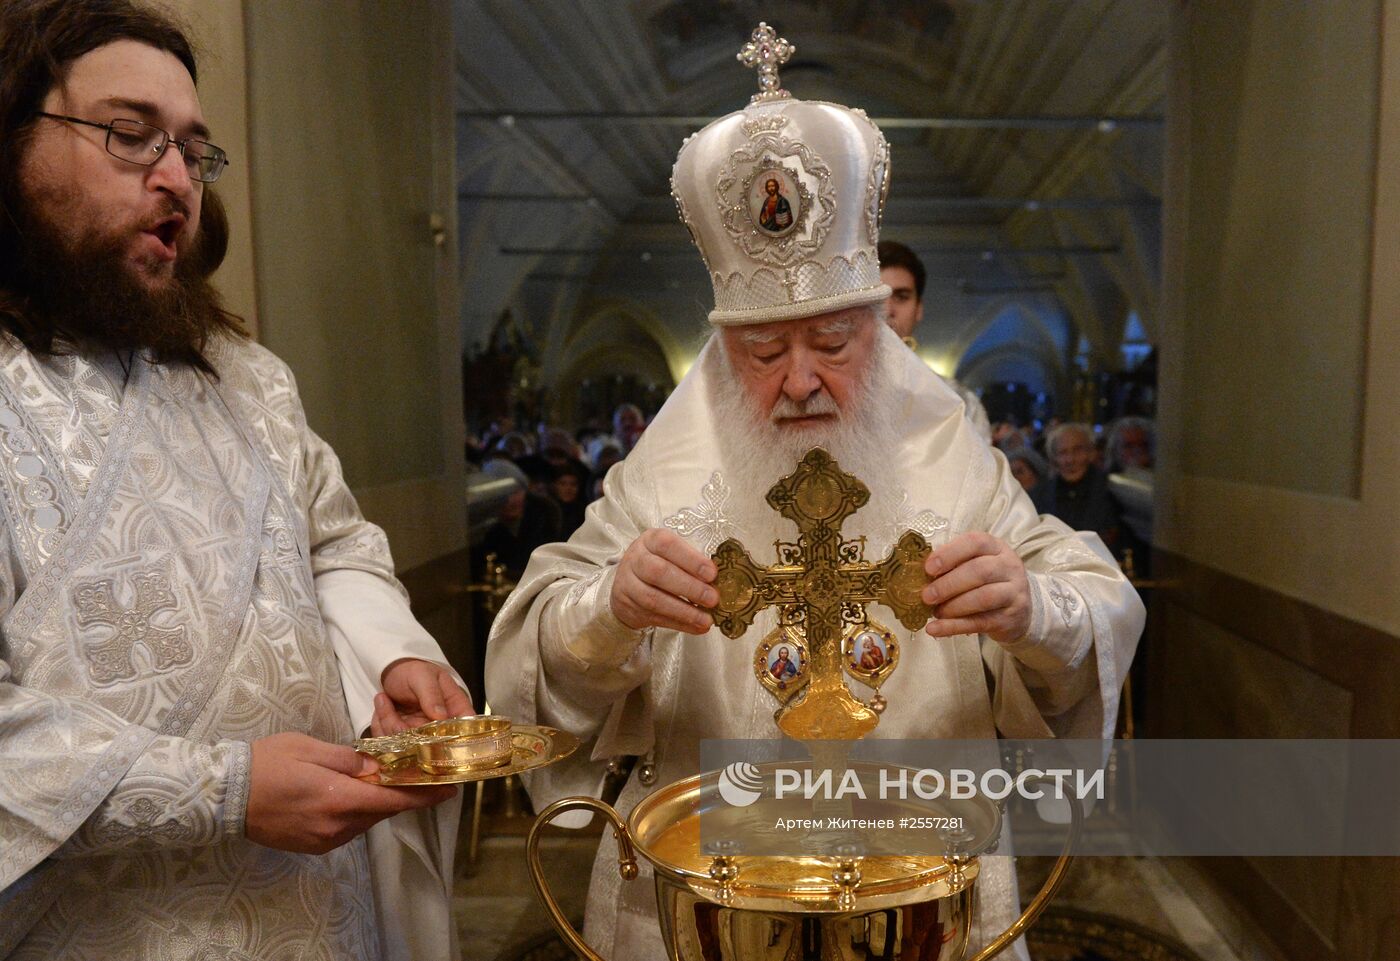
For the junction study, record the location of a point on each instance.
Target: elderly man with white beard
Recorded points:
(608, 636)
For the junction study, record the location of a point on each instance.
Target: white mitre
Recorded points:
(783, 199)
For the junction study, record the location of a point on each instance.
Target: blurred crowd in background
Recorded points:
(531, 486)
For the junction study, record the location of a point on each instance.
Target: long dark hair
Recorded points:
(39, 40)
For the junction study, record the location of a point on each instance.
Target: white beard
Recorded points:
(757, 452)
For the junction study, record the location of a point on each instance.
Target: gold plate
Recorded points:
(531, 747)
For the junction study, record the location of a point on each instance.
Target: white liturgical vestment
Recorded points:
(182, 572)
(558, 656)
(972, 406)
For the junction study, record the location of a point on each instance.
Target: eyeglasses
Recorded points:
(140, 143)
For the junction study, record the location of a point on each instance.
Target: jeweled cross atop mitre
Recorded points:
(767, 51)
(822, 584)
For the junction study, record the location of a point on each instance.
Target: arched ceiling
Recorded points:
(1026, 140)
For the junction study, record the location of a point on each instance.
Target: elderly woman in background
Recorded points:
(1028, 467)
(569, 488)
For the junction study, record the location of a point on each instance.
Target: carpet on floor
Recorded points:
(1066, 934)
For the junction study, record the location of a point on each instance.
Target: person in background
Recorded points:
(584, 438)
(1130, 453)
(1132, 443)
(523, 522)
(569, 488)
(903, 272)
(558, 446)
(514, 445)
(628, 424)
(498, 428)
(604, 452)
(1006, 436)
(1028, 467)
(538, 473)
(475, 452)
(1077, 491)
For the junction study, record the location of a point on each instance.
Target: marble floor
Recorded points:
(498, 914)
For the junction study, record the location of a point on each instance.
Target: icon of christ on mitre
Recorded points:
(613, 636)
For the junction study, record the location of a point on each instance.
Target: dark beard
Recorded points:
(89, 296)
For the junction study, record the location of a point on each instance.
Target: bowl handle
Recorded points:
(626, 863)
(1046, 892)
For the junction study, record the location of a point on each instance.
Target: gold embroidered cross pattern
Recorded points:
(822, 584)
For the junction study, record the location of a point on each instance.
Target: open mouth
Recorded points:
(167, 232)
(169, 229)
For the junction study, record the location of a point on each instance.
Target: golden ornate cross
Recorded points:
(822, 584)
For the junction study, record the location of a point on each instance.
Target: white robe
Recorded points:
(976, 413)
(558, 656)
(183, 571)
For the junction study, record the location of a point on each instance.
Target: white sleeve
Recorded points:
(362, 603)
(1064, 677)
(370, 625)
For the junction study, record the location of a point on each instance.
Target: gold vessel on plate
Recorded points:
(462, 744)
(458, 750)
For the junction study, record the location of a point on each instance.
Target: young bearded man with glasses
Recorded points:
(195, 619)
